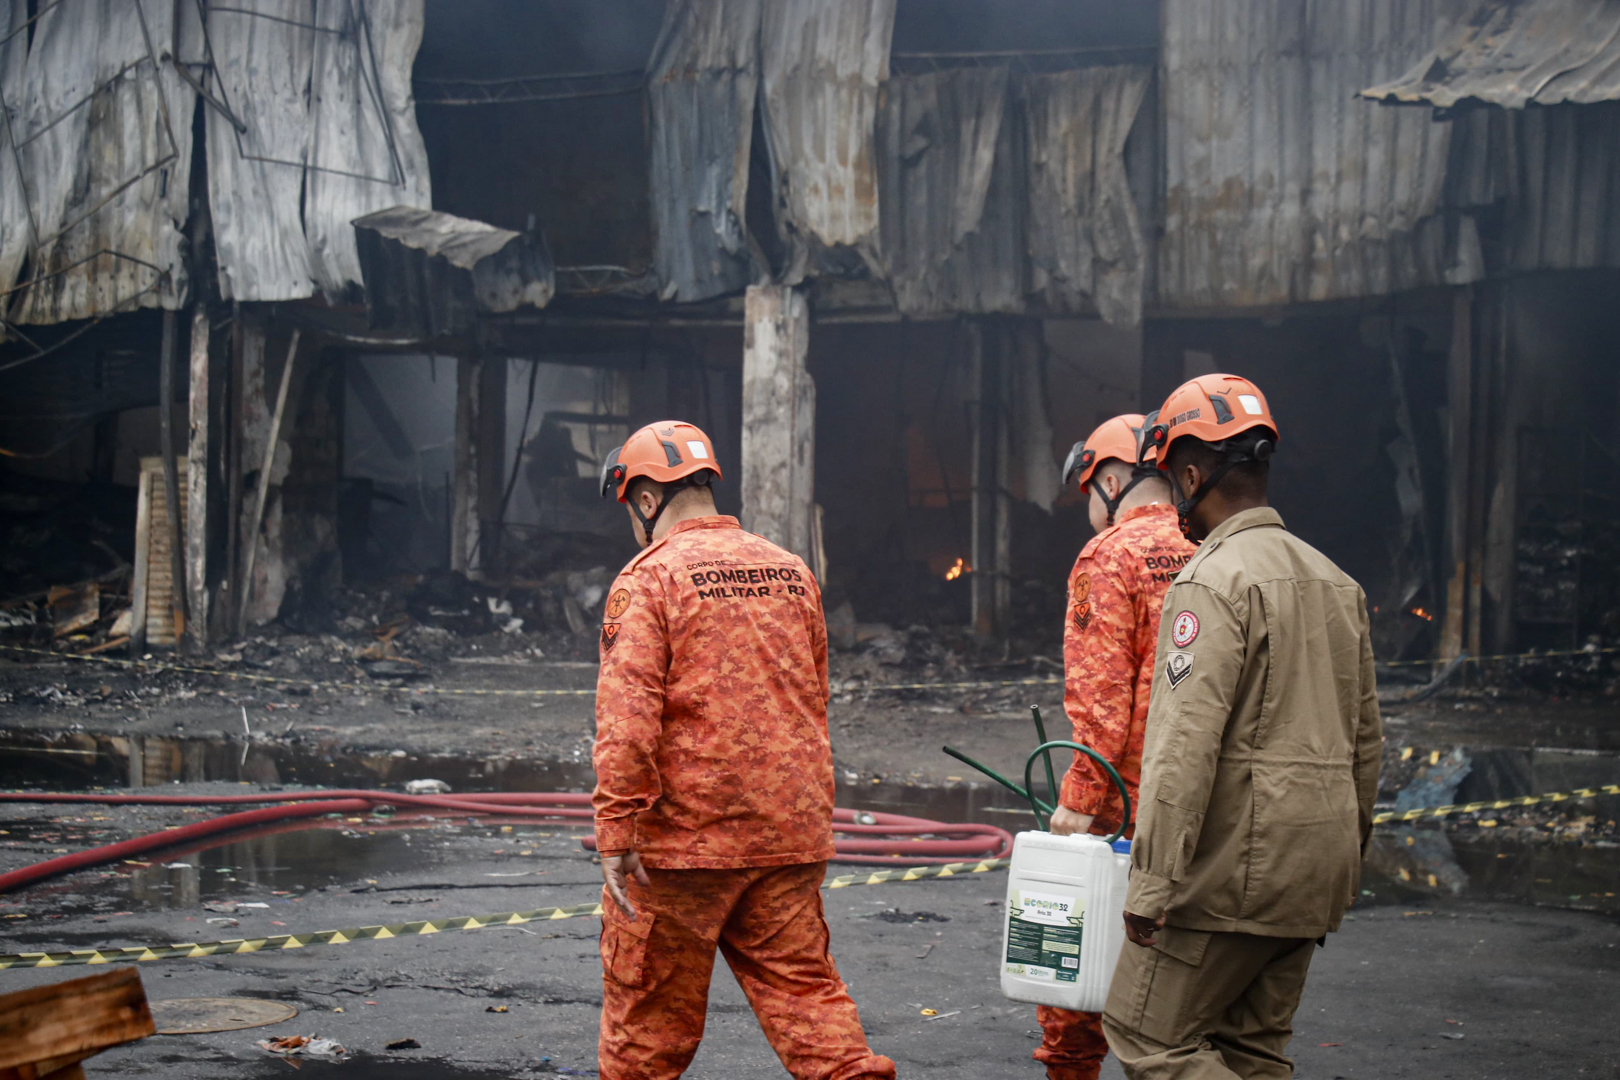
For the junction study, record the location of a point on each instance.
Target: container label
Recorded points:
(1043, 935)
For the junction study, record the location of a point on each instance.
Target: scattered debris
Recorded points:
(74, 607)
(404, 1044)
(895, 915)
(301, 1046)
(394, 669)
(426, 787)
(1435, 784)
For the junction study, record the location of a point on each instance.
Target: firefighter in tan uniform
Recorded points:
(714, 781)
(1116, 591)
(1259, 769)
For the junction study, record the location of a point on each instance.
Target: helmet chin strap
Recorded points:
(1139, 474)
(1261, 451)
(1185, 507)
(671, 489)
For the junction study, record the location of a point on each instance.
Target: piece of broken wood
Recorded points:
(110, 643)
(74, 607)
(46, 1031)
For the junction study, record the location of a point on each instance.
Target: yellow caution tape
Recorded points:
(1496, 804)
(237, 946)
(878, 877)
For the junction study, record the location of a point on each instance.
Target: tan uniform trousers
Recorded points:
(1206, 1006)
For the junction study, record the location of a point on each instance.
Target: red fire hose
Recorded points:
(954, 843)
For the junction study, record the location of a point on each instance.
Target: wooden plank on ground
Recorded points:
(68, 1020)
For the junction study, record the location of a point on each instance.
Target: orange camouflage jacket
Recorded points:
(711, 705)
(1116, 591)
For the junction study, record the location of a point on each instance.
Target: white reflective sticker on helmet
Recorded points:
(699, 451)
(1251, 404)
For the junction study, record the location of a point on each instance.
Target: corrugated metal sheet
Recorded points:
(262, 72)
(1555, 172)
(15, 232)
(1564, 211)
(354, 133)
(330, 136)
(1281, 186)
(701, 83)
(822, 62)
(1517, 52)
(429, 273)
(950, 184)
(1085, 241)
(102, 160)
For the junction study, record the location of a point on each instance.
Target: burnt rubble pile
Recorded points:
(65, 554)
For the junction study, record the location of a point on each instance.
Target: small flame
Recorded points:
(958, 570)
(1420, 613)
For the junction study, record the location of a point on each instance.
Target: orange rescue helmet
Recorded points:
(1217, 410)
(1123, 438)
(673, 453)
(666, 451)
(1119, 439)
(1213, 408)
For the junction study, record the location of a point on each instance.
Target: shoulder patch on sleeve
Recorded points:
(1177, 667)
(1184, 630)
(1080, 600)
(617, 603)
(610, 637)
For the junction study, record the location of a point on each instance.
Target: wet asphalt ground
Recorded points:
(1426, 980)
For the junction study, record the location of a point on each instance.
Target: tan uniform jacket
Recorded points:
(1263, 740)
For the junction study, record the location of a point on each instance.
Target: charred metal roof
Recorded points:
(1515, 53)
(1281, 186)
(701, 84)
(430, 273)
(317, 129)
(822, 63)
(309, 125)
(96, 183)
(949, 169)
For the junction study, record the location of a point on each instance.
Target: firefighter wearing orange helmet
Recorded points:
(714, 788)
(1115, 592)
(1260, 765)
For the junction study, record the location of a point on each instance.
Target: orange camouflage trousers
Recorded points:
(1072, 1043)
(768, 922)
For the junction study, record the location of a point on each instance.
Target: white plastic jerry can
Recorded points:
(1065, 919)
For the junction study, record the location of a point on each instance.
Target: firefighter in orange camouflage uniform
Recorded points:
(714, 791)
(1109, 636)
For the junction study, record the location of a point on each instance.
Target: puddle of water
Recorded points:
(78, 760)
(279, 869)
(1404, 865)
(1427, 866)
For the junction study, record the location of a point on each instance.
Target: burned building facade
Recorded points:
(301, 292)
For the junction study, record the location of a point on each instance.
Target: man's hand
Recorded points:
(1065, 822)
(616, 870)
(1139, 928)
